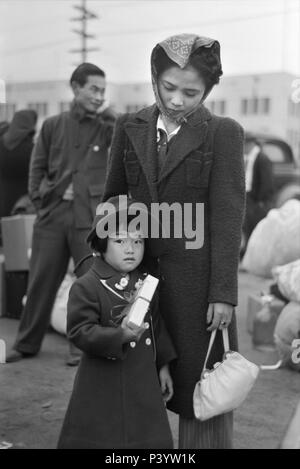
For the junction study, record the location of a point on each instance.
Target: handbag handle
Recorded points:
(211, 342)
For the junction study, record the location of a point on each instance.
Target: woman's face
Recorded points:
(180, 90)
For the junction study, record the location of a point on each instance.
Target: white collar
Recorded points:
(160, 125)
(250, 159)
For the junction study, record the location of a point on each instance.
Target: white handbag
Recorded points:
(226, 386)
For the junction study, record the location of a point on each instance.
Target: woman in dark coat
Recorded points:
(117, 396)
(16, 145)
(201, 163)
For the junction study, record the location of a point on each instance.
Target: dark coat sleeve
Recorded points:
(116, 183)
(226, 211)
(165, 351)
(39, 162)
(109, 117)
(84, 328)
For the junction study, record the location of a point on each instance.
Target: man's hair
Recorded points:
(100, 244)
(83, 71)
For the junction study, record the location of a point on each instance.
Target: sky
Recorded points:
(36, 36)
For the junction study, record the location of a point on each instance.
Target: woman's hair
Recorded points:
(100, 244)
(206, 60)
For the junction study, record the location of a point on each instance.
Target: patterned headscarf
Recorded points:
(179, 49)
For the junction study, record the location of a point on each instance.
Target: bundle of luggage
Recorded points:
(274, 319)
(275, 241)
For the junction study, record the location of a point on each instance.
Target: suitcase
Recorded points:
(17, 237)
(265, 321)
(16, 286)
(2, 286)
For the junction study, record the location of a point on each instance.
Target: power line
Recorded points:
(160, 29)
(196, 25)
(38, 46)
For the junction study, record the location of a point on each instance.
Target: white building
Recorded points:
(261, 103)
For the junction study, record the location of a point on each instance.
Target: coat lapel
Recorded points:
(143, 135)
(190, 137)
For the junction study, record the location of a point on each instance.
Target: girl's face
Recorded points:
(124, 251)
(181, 90)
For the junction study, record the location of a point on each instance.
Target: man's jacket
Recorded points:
(72, 148)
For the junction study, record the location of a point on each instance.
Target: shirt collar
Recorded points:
(79, 113)
(113, 278)
(160, 125)
(252, 154)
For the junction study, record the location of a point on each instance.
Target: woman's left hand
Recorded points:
(166, 383)
(219, 315)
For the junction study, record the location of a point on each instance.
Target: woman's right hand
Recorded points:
(132, 334)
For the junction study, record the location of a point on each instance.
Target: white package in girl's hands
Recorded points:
(140, 306)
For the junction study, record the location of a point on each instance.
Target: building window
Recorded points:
(7, 111)
(255, 105)
(40, 108)
(244, 106)
(222, 107)
(293, 108)
(265, 105)
(64, 106)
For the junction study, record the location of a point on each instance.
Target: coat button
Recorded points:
(96, 147)
(146, 325)
(132, 344)
(148, 341)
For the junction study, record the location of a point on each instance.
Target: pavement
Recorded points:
(34, 392)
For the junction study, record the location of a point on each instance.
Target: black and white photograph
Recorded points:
(150, 227)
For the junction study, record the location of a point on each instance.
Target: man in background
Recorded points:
(259, 185)
(66, 179)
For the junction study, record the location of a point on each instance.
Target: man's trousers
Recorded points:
(55, 241)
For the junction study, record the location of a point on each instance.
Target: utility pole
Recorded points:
(86, 15)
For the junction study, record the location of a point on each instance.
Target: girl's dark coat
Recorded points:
(116, 400)
(204, 165)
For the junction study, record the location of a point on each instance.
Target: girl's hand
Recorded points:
(219, 315)
(132, 334)
(166, 383)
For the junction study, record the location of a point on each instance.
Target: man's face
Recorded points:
(91, 95)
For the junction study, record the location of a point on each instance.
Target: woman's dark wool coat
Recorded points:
(204, 165)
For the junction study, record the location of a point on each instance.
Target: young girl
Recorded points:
(117, 397)
(176, 151)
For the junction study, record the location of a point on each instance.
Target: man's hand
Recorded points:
(166, 383)
(219, 315)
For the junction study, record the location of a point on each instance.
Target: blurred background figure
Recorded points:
(16, 144)
(3, 127)
(259, 186)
